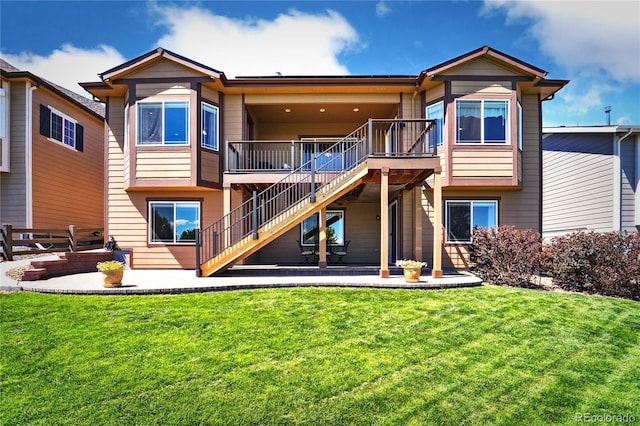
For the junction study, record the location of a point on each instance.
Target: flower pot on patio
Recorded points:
(112, 273)
(112, 278)
(412, 275)
(411, 269)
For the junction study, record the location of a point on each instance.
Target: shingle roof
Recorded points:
(11, 71)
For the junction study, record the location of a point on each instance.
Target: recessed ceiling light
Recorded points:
(356, 109)
(322, 110)
(287, 110)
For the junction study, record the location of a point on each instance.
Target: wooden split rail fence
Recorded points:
(26, 241)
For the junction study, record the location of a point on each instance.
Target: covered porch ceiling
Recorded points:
(355, 112)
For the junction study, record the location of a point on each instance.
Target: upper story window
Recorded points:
(210, 126)
(436, 112)
(462, 216)
(59, 127)
(482, 121)
(163, 123)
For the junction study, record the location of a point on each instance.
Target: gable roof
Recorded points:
(154, 55)
(485, 51)
(531, 79)
(95, 108)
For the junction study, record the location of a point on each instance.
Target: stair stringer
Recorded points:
(284, 222)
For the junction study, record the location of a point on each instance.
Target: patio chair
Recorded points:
(341, 251)
(306, 252)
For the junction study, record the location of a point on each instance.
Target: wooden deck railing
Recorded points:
(26, 241)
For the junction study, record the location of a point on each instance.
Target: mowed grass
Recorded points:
(486, 355)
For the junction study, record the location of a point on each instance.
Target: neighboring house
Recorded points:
(591, 179)
(51, 155)
(269, 167)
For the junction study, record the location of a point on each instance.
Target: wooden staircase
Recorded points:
(285, 221)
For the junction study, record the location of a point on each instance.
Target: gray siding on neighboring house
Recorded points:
(13, 201)
(578, 183)
(628, 169)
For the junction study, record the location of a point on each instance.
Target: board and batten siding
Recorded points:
(164, 68)
(13, 185)
(68, 185)
(481, 67)
(578, 185)
(628, 179)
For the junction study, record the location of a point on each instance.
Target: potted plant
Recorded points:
(411, 269)
(112, 272)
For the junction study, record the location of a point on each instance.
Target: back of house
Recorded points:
(206, 172)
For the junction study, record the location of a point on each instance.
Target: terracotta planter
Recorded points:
(112, 278)
(412, 275)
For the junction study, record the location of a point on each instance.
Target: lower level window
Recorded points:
(334, 228)
(462, 216)
(173, 222)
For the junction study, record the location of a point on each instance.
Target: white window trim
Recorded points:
(164, 101)
(482, 142)
(446, 217)
(64, 117)
(175, 204)
(426, 113)
(217, 148)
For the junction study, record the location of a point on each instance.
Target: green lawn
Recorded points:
(486, 355)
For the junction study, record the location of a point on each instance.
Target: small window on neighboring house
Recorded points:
(436, 112)
(173, 222)
(482, 121)
(59, 127)
(334, 228)
(163, 123)
(210, 126)
(461, 217)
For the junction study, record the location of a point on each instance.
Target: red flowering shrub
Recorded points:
(505, 255)
(592, 262)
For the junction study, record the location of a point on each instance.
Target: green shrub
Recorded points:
(505, 255)
(592, 262)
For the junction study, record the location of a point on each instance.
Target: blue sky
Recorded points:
(595, 44)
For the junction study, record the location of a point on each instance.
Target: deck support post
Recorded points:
(322, 240)
(384, 223)
(436, 270)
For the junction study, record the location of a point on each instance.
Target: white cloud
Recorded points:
(68, 65)
(596, 42)
(294, 43)
(596, 35)
(382, 9)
